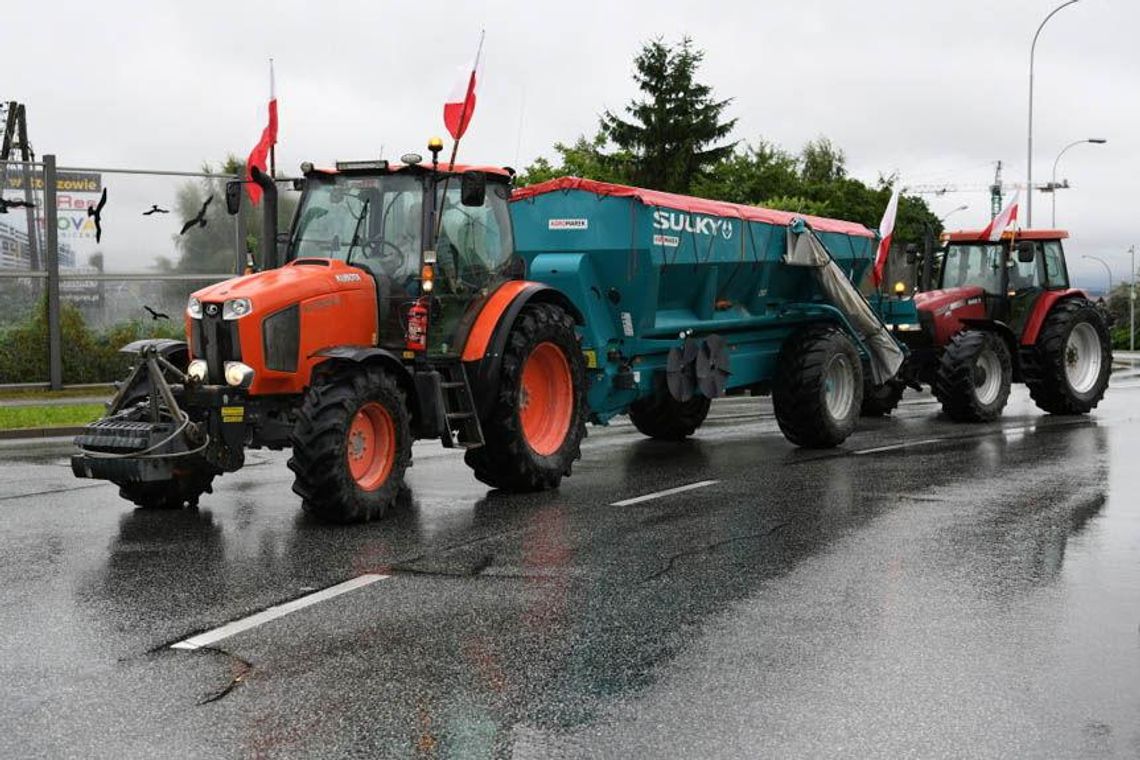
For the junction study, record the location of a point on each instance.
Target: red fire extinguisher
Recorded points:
(417, 326)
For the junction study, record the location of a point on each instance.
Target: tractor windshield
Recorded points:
(372, 222)
(977, 264)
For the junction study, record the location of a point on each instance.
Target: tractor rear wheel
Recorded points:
(535, 427)
(1073, 359)
(881, 400)
(818, 388)
(974, 376)
(665, 418)
(352, 443)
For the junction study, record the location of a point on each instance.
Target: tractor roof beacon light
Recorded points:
(435, 145)
(900, 288)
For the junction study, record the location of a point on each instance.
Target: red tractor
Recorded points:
(1002, 312)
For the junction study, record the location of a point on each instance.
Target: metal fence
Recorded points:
(93, 257)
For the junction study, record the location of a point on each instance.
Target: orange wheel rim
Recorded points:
(546, 398)
(371, 446)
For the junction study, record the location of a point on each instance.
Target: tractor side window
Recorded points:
(1055, 274)
(1025, 275)
(475, 241)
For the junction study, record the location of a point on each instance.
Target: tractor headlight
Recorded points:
(236, 308)
(238, 375)
(194, 308)
(911, 327)
(196, 370)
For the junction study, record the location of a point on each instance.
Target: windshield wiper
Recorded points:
(356, 230)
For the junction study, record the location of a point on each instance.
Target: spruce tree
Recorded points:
(672, 134)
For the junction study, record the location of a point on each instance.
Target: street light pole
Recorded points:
(1107, 269)
(1029, 159)
(946, 216)
(1132, 300)
(1053, 181)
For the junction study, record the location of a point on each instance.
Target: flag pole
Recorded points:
(273, 145)
(455, 145)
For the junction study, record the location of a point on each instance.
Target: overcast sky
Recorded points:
(933, 90)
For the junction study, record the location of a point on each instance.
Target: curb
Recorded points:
(37, 433)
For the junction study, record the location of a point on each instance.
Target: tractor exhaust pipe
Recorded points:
(268, 217)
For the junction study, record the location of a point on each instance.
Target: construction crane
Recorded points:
(15, 147)
(997, 189)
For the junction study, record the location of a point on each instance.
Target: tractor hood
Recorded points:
(295, 282)
(940, 302)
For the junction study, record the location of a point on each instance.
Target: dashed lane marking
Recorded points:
(272, 613)
(661, 494)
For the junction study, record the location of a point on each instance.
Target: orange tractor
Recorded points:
(398, 304)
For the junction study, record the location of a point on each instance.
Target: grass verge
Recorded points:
(58, 415)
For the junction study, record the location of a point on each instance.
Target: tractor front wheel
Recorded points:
(818, 388)
(535, 427)
(665, 418)
(352, 443)
(1073, 359)
(974, 376)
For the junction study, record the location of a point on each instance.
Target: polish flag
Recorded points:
(260, 152)
(460, 105)
(886, 230)
(1007, 217)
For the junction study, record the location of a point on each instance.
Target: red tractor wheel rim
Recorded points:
(546, 398)
(371, 446)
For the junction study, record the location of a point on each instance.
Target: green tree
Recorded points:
(821, 162)
(753, 175)
(585, 158)
(672, 133)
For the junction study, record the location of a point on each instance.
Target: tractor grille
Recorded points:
(216, 341)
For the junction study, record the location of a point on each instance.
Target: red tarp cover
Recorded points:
(688, 203)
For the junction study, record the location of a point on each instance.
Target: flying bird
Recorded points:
(154, 209)
(155, 315)
(198, 221)
(97, 211)
(6, 204)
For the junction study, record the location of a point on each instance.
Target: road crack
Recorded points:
(672, 561)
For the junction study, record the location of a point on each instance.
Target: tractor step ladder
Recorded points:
(461, 420)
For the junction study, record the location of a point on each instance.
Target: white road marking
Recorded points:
(237, 626)
(895, 446)
(666, 492)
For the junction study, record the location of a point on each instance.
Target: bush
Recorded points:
(88, 356)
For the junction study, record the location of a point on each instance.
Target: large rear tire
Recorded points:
(352, 443)
(818, 388)
(974, 375)
(534, 430)
(665, 418)
(1073, 359)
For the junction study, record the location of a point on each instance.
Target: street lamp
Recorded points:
(943, 218)
(1029, 160)
(1053, 182)
(1107, 269)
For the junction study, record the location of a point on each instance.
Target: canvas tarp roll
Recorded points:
(805, 249)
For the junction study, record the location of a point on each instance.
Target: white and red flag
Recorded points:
(886, 231)
(1007, 217)
(260, 152)
(460, 105)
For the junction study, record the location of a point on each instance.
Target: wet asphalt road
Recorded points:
(974, 592)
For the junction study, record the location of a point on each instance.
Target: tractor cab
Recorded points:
(1008, 275)
(415, 231)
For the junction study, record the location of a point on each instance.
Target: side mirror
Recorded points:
(911, 253)
(473, 189)
(1026, 252)
(233, 197)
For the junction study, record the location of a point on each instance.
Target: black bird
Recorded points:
(97, 211)
(154, 209)
(6, 204)
(156, 315)
(198, 221)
